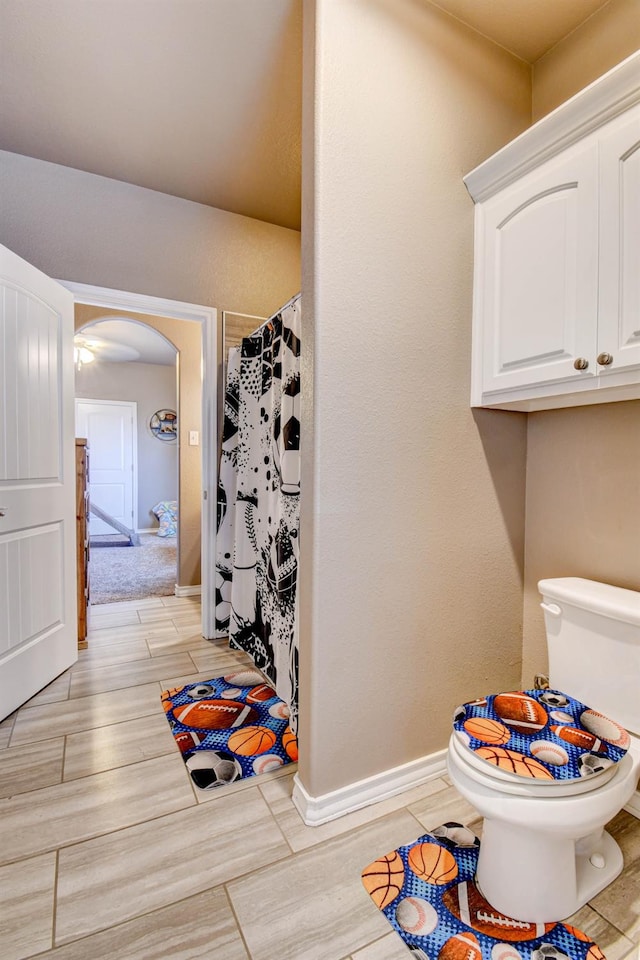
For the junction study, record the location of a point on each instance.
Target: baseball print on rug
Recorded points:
(427, 892)
(230, 728)
(540, 734)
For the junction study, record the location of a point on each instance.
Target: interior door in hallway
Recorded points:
(38, 629)
(110, 428)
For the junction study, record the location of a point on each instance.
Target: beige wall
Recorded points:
(583, 500)
(413, 508)
(604, 40)
(185, 335)
(89, 229)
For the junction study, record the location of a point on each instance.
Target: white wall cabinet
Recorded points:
(619, 263)
(556, 315)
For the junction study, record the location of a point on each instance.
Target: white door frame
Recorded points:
(207, 317)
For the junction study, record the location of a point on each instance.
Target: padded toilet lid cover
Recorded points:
(540, 734)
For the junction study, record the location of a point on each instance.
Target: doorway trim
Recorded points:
(208, 317)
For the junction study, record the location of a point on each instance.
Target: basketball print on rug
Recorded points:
(230, 728)
(540, 734)
(427, 892)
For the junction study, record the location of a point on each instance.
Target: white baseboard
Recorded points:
(194, 591)
(633, 807)
(330, 806)
(147, 529)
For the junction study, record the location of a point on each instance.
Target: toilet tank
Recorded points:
(593, 639)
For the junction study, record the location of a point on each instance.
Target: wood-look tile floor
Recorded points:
(108, 851)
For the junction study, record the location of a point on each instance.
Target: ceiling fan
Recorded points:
(87, 349)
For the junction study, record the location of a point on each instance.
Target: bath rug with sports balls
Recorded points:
(426, 891)
(230, 728)
(541, 734)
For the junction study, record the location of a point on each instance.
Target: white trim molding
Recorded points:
(381, 786)
(601, 101)
(208, 317)
(138, 302)
(192, 591)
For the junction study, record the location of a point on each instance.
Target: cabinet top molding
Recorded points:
(604, 99)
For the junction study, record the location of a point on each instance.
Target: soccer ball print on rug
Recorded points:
(230, 728)
(427, 892)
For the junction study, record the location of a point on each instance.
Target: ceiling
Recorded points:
(122, 340)
(198, 99)
(528, 28)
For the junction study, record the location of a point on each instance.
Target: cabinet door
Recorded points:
(538, 290)
(619, 309)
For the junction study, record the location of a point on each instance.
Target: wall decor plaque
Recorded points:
(164, 424)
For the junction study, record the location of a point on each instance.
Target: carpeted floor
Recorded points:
(131, 573)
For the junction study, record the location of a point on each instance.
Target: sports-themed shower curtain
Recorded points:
(257, 544)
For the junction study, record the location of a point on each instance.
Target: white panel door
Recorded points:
(619, 310)
(110, 428)
(539, 287)
(38, 623)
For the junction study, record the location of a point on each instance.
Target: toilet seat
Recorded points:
(538, 742)
(493, 778)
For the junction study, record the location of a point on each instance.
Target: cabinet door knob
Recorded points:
(581, 363)
(605, 359)
(3, 511)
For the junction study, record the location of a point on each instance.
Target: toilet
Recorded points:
(547, 769)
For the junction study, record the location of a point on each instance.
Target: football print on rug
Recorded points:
(230, 728)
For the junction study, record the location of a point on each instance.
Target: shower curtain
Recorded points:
(257, 546)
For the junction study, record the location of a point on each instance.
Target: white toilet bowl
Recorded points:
(544, 849)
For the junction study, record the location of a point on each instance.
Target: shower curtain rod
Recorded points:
(269, 319)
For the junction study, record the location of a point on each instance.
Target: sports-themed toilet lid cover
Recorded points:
(540, 734)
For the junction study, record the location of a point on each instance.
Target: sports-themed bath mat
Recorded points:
(426, 891)
(230, 728)
(544, 734)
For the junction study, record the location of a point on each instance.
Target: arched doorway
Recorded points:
(196, 562)
(127, 407)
